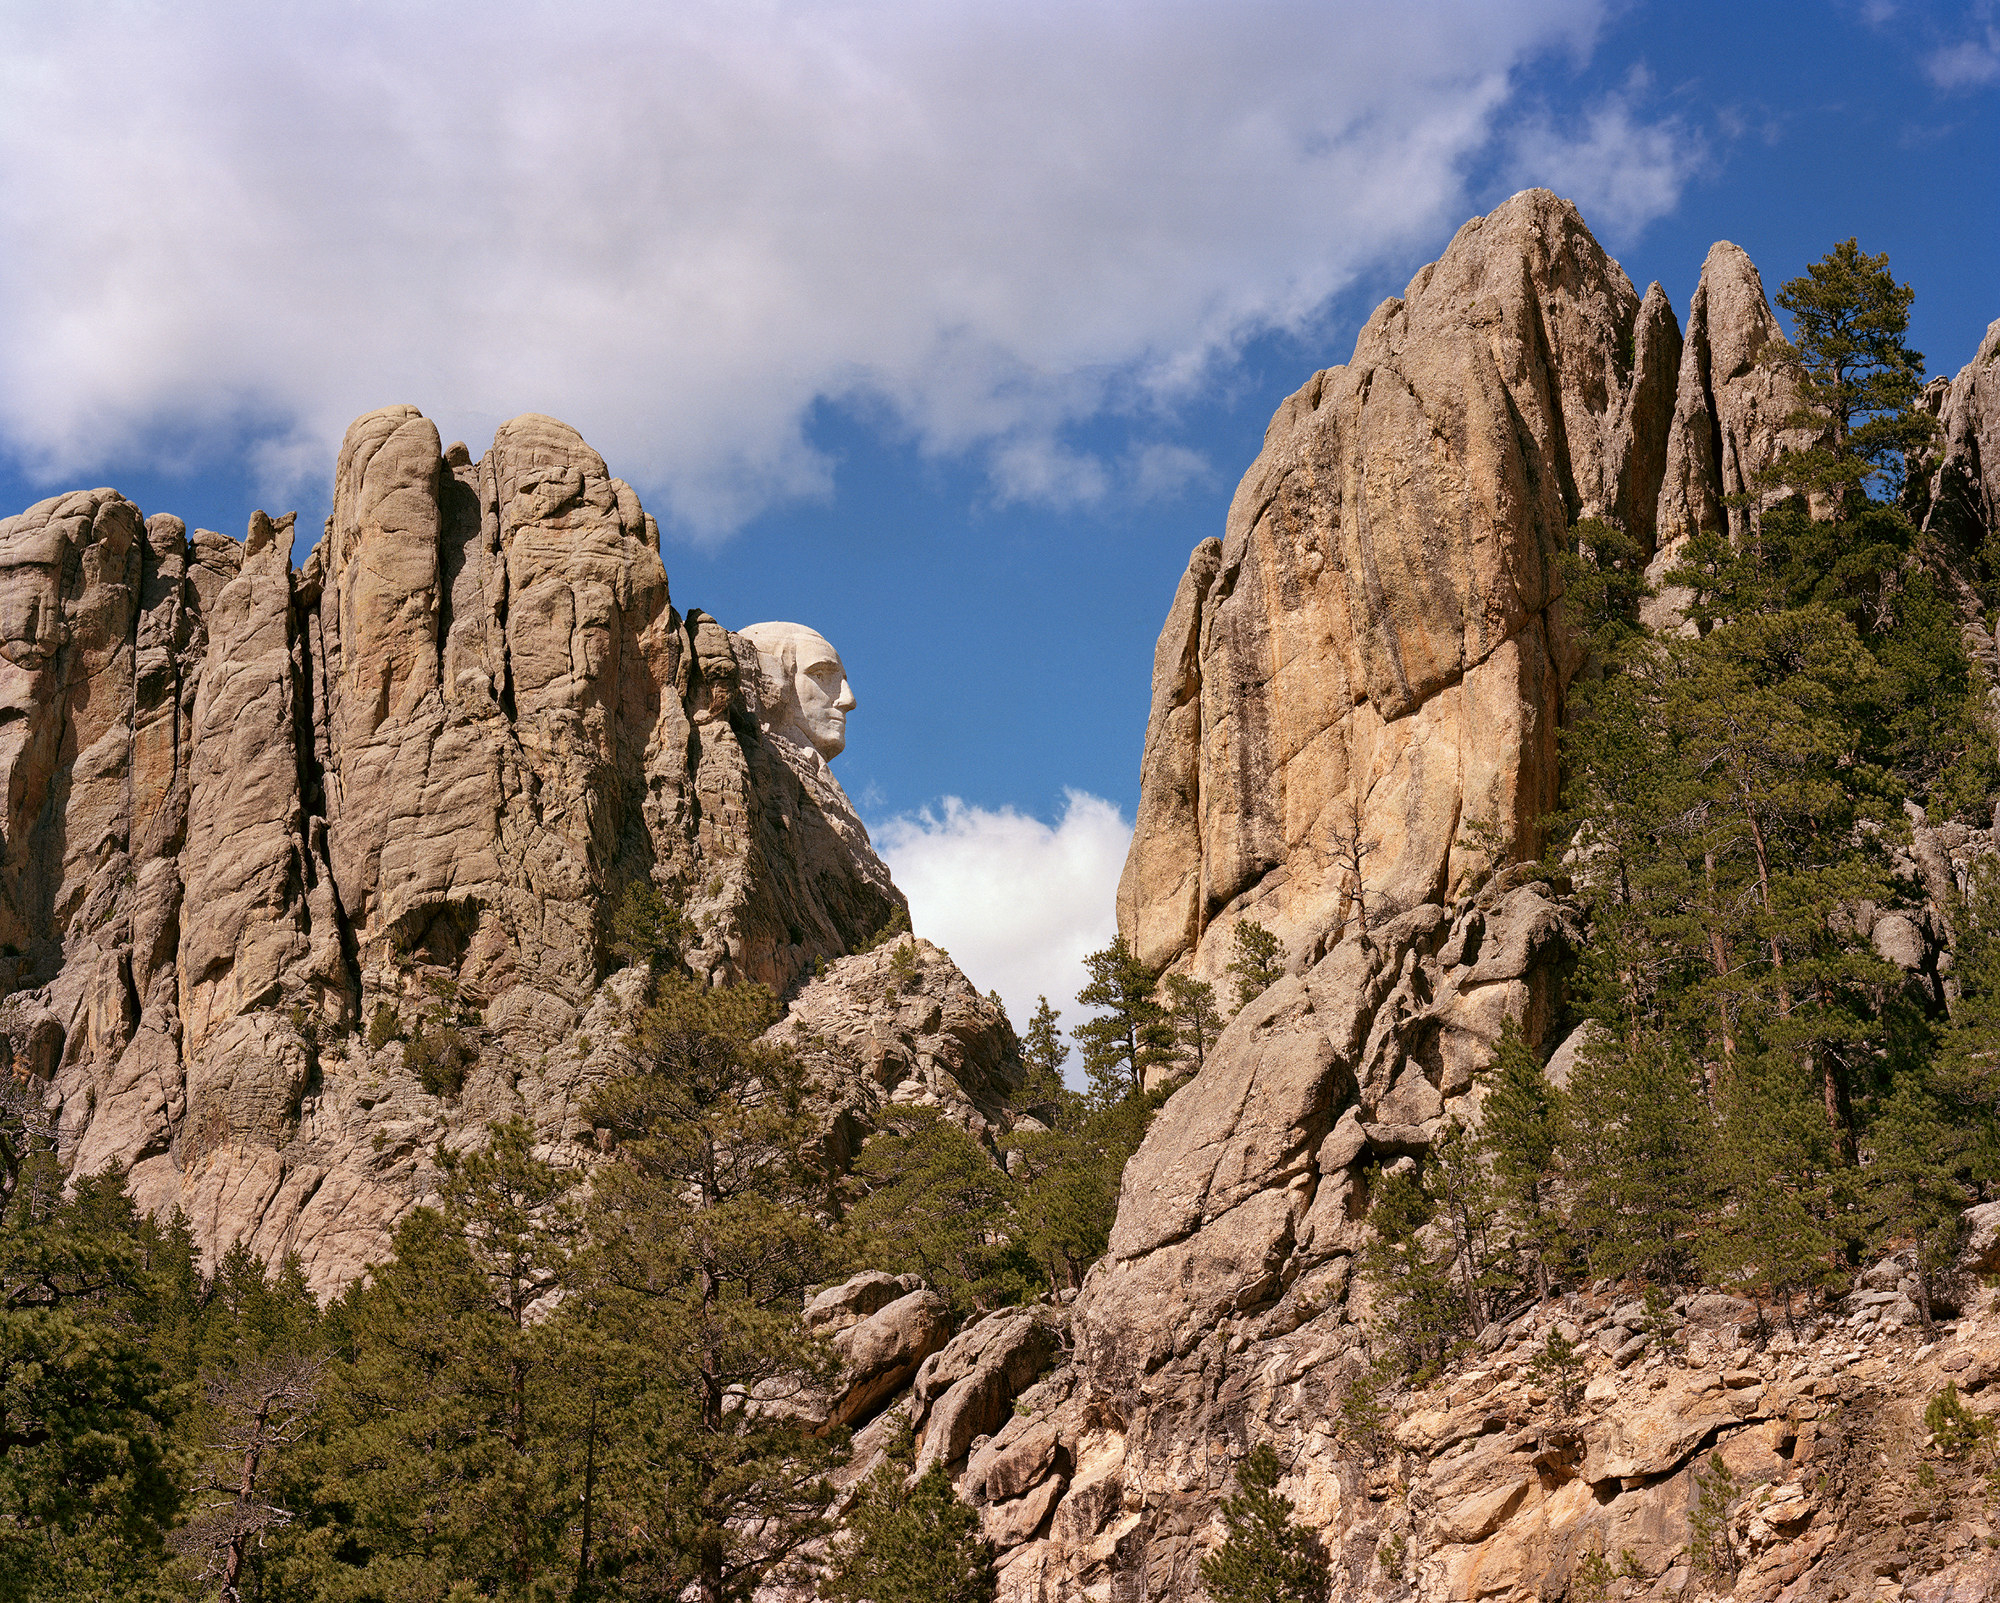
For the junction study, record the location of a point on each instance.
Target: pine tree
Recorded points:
(933, 1202)
(90, 1475)
(1044, 1052)
(709, 1232)
(1520, 1129)
(1858, 379)
(1131, 1035)
(1069, 1179)
(1487, 1269)
(1259, 962)
(1775, 1161)
(920, 1545)
(1636, 1140)
(1192, 1013)
(1919, 1154)
(1423, 1311)
(451, 1408)
(647, 930)
(1267, 1557)
(1709, 1544)
(263, 1375)
(1559, 1367)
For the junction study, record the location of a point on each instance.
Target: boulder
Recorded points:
(839, 1307)
(901, 1026)
(1980, 1233)
(882, 1352)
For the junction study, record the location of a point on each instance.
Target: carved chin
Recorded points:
(828, 741)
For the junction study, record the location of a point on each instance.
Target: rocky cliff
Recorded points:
(1369, 670)
(1371, 661)
(308, 869)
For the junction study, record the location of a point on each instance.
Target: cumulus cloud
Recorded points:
(1620, 167)
(680, 227)
(1017, 902)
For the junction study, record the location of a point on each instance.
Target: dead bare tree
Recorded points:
(261, 1412)
(1351, 850)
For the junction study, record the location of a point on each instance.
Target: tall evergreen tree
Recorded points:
(1043, 1053)
(1521, 1125)
(1636, 1141)
(90, 1476)
(1858, 379)
(1422, 1310)
(1130, 1035)
(1191, 1012)
(442, 1465)
(710, 1233)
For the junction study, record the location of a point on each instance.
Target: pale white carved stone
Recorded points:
(806, 697)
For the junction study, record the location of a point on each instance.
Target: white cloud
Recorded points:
(679, 226)
(1017, 902)
(1160, 472)
(1972, 62)
(1622, 169)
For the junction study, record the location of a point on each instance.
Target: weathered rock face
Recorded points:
(1372, 647)
(1958, 500)
(901, 1025)
(1961, 499)
(1248, 1191)
(1484, 1485)
(1728, 421)
(1375, 650)
(252, 811)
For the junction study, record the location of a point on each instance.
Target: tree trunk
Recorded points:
(578, 1592)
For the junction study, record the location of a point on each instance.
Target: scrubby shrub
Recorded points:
(438, 1057)
(384, 1027)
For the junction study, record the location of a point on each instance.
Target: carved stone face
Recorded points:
(814, 697)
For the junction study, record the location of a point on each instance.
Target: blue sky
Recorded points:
(946, 328)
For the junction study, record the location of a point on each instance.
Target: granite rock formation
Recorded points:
(1730, 407)
(1375, 650)
(308, 869)
(1959, 499)
(1484, 1485)
(1373, 653)
(900, 1025)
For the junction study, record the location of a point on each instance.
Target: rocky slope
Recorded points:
(308, 869)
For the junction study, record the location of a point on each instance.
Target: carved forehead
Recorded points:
(799, 648)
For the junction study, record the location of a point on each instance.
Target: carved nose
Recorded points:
(846, 701)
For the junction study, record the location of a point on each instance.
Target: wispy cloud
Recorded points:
(1622, 167)
(1971, 61)
(1016, 901)
(682, 227)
